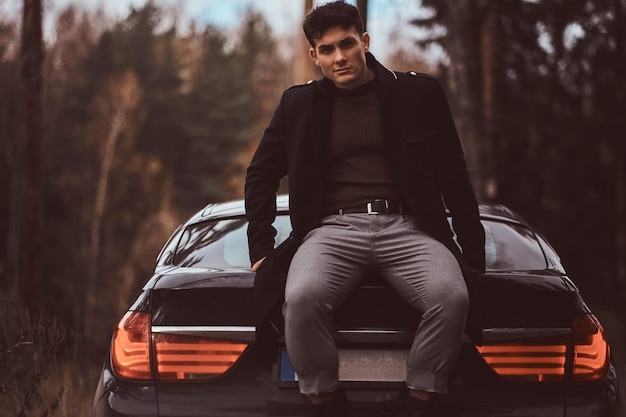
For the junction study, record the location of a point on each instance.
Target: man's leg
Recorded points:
(325, 270)
(427, 275)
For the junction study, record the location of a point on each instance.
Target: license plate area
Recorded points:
(356, 366)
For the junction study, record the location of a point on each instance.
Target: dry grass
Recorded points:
(37, 378)
(77, 384)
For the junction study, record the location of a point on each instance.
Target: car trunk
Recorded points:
(374, 330)
(503, 299)
(512, 307)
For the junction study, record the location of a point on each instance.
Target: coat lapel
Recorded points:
(321, 114)
(312, 155)
(387, 87)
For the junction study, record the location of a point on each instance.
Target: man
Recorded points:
(369, 154)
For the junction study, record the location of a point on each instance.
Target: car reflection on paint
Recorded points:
(186, 347)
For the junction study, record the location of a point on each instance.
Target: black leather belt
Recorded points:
(377, 206)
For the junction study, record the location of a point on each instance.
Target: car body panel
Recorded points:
(215, 302)
(117, 397)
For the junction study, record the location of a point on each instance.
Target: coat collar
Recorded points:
(383, 74)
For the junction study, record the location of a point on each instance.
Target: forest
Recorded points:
(114, 132)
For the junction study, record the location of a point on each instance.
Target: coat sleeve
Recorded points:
(454, 182)
(267, 168)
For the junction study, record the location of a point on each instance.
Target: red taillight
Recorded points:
(591, 351)
(526, 361)
(546, 361)
(186, 358)
(177, 357)
(130, 349)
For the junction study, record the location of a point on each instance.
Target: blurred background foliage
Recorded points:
(111, 134)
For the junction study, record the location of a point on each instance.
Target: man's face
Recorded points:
(340, 54)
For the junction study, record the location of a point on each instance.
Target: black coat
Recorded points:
(422, 147)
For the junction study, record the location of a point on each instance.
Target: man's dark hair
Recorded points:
(329, 15)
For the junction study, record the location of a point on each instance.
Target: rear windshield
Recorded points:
(223, 244)
(512, 247)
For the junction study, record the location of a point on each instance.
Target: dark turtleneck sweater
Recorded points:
(357, 170)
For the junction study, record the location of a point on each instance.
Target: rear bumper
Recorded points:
(249, 390)
(118, 398)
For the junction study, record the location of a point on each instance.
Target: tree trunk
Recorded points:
(463, 46)
(117, 123)
(26, 212)
(489, 48)
(305, 67)
(620, 146)
(362, 6)
(120, 95)
(621, 227)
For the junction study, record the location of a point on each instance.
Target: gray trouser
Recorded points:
(328, 267)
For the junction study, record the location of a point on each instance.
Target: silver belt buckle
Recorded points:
(371, 211)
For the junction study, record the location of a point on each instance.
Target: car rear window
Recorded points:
(223, 244)
(510, 246)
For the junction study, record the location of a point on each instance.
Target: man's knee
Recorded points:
(453, 304)
(456, 303)
(303, 306)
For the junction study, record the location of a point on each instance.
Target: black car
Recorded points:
(186, 347)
